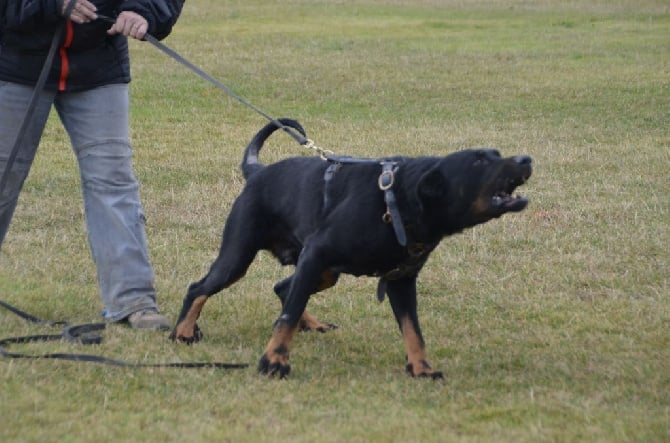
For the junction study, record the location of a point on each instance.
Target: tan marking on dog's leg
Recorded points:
(186, 328)
(310, 323)
(417, 365)
(277, 349)
(307, 321)
(328, 280)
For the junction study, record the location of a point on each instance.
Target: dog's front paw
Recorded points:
(186, 335)
(423, 369)
(275, 365)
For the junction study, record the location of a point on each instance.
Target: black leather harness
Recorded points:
(385, 181)
(417, 252)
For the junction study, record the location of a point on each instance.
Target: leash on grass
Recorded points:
(86, 334)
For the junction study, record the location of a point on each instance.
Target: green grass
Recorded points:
(550, 325)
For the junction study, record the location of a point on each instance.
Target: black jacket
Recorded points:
(87, 56)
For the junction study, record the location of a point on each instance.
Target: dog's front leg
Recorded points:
(276, 355)
(303, 284)
(275, 358)
(402, 295)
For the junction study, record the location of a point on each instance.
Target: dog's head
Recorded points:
(473, 186)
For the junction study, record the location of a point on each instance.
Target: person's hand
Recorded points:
(82, 12)
(130, 24)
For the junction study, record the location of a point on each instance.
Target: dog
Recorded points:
(379, 218)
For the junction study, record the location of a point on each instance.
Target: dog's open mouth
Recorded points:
(506, 201)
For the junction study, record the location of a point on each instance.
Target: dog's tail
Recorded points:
(250, 163)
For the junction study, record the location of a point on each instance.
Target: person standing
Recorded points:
(87, 85)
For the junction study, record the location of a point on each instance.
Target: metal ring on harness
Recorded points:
(386, 179)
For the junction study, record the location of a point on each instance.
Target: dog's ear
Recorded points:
(433, 185)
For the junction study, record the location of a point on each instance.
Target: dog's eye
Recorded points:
(480, 159)
(486, 156)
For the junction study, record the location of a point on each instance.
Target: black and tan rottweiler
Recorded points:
(376, 218)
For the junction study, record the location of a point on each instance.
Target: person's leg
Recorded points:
(97, 123)
(14, 101)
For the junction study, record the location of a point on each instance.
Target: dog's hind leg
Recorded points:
(222, 274)
(402, 295)
(307, 321)
(239, 246)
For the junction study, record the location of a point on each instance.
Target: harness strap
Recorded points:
(417, 252)
(392, 214)
(385, 181)
(417, 255)
(327, 177)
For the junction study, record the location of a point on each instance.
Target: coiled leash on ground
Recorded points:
(86, 334)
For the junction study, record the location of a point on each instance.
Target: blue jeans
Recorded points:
(97, 124)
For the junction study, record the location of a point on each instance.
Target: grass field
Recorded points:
(550, 325)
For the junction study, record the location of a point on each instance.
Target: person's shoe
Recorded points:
(148, 319)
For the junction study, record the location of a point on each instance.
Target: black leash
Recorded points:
(86, 334)
(154, 41)
(389, 168)
(202, 74)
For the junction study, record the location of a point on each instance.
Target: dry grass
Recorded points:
(551, 325)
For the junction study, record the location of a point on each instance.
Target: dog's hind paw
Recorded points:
(436, 375)
(179, 334)
(310, 323)
(423, 371)
(320, 327)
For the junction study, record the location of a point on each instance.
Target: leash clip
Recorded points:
(323, 153)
